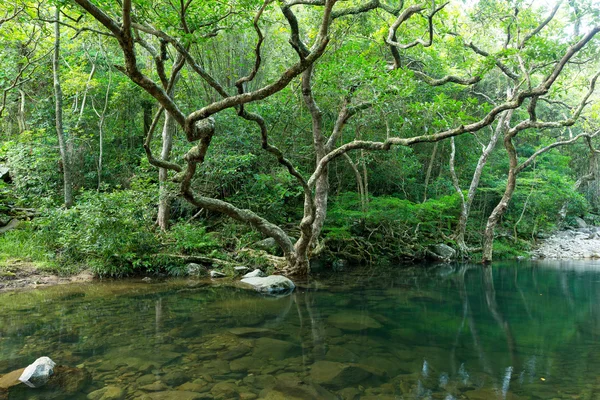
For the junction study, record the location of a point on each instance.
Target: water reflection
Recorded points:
(451, 332)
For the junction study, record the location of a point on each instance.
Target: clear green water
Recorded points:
(452, 332)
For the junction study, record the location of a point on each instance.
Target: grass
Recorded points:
(22, 248)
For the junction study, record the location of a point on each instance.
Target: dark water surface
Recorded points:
(512, 331)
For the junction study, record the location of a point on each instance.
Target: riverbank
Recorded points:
(571, 244)
(24, 275)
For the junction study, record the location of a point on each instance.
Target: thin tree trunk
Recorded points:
(499, 210)
(21, 118)
(58, 96)
(461, 227)
(164, 201)
(359, 182)
(429, 168)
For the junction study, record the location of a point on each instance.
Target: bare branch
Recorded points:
(531, 158)
(405, 16)
(541, 25)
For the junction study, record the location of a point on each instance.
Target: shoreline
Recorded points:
(28, 276)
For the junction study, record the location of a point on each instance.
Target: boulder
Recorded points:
(442, 252)
(339, 265)
(193, 269)
(257, 273)
(269, 245)
(274, 284)
(5, 174)
(580, 223)
(352, 321)
(216, 274)
(38, 373)
(240, 270)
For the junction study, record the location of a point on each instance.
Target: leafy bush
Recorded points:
(191, 239)
(111, 232)
(390, 226)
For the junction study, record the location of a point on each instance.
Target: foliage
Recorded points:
(391, 226)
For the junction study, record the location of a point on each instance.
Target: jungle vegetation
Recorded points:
(141, 134)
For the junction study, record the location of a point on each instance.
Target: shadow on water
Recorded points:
(460, 331)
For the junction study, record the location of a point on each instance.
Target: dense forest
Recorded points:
(138, 136)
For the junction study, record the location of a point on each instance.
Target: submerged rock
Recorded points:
(70, 380)
(175, 395)
(107, 393)
(257, 273)
(338, 375)
(273, 348)
(11, 379)
(274, 284)
(38, 373)
(352, 321)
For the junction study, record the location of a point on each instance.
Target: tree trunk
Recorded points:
(429, 168)
(58, 97)
(21, 118)
(164, 200)
(461, 227)
(498, 212)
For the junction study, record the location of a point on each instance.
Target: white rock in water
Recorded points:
(38, 373)
(274, 284)
(257, 273)
(217, 274)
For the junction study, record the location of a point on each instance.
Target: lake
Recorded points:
(458, 331)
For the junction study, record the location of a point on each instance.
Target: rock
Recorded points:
(442, 252)
(250, 332)
(274, 284)
(70, 380)
(107, 393)
(240, 270)
(257, 273)
(236, 352)
(243, 364)
(225, 391)
(38, 373)
(352, 321)
(269, 245)
(340, 354)
(338, 375)
(5, 174)
(176, 395)
(580, 223)
(216, 274)
(193, 269)
(198, 386)
(157, 386)
(339, 265)
(273, 348)
(11, 379)
(349, 393)
(174, 378)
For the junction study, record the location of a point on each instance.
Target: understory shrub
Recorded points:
(389, 226)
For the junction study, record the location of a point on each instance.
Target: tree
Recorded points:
(58, 98)
(199, 125)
